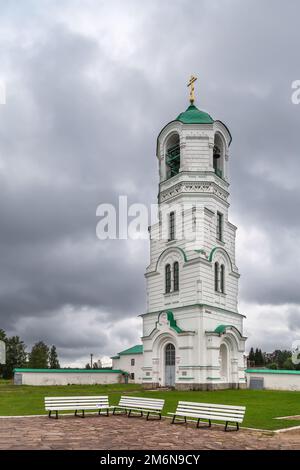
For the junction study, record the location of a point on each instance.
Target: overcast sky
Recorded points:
(89, 85)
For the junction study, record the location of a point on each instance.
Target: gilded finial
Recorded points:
(192, 88)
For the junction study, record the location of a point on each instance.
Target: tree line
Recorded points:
(41, 356)
(278, 359)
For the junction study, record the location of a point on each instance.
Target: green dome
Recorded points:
(193, 115)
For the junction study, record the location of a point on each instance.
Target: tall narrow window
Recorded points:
(219, 226)
(216, 277)
(194, 220)
(172, 226)
(168, 278)
(222, 278)
(176, 275)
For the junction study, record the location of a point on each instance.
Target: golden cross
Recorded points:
(192, 89)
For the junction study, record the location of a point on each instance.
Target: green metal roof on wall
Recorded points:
(193, 115)
(76, 371)
(272, 371)
(137, 349)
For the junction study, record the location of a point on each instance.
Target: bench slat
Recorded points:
(210, 416)
(212, 405)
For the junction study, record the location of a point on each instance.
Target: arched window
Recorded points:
(216, 277)
(168, 278)
(176, 276)
(222, 278)
(218, 156)
(173, 156)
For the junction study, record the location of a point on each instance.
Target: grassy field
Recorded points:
(262, 405)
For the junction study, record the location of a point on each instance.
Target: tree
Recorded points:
(251, 356)
(53, 359)
(38, 358)
(288, 364)
(3, 336)
(273, 366)
(256, 357)
(261, 358)
(15, 355)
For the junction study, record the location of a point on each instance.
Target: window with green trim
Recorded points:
(168, 278)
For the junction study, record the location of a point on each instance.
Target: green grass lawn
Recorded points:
(262, 405)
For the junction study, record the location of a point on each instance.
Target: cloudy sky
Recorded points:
(89, 84)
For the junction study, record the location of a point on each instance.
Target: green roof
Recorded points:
(273, 371)
(77, 371)
(137, 349)
(193, 115)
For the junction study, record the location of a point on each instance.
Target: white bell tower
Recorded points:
(192, 330)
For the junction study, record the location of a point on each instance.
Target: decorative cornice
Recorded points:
(208, 187)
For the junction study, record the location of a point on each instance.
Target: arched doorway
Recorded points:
(224, 362)
(170, 365)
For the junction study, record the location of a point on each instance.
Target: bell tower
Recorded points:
(192, 330)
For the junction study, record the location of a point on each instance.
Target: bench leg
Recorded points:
(237, 426)
(134, 416)
(56, 414)
(49, 414)
(107, 412)
(178, 422)
(205, 426)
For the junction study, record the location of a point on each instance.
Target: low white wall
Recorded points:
(276, 381)
(66, 378)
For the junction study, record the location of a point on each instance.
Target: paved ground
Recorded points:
(120, 432)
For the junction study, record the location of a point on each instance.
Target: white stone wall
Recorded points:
(197, 355)
(66, 378)
(124, 363)
(277, 381)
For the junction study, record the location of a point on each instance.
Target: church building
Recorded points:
(192, 330)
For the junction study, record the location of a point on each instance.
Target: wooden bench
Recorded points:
(149, 406)
(209, 411)
(57, 404)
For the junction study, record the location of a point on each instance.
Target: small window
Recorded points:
(168, 278)
(216, 277)
(222, 278)
(219, 226)
(176, 275)
(172, 226)
(132, 376)
(132, 362)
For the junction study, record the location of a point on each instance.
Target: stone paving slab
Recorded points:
(120, 432)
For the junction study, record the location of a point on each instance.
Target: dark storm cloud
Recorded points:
(88, 89)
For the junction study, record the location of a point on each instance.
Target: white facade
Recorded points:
(130, 361)
(200, 320)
